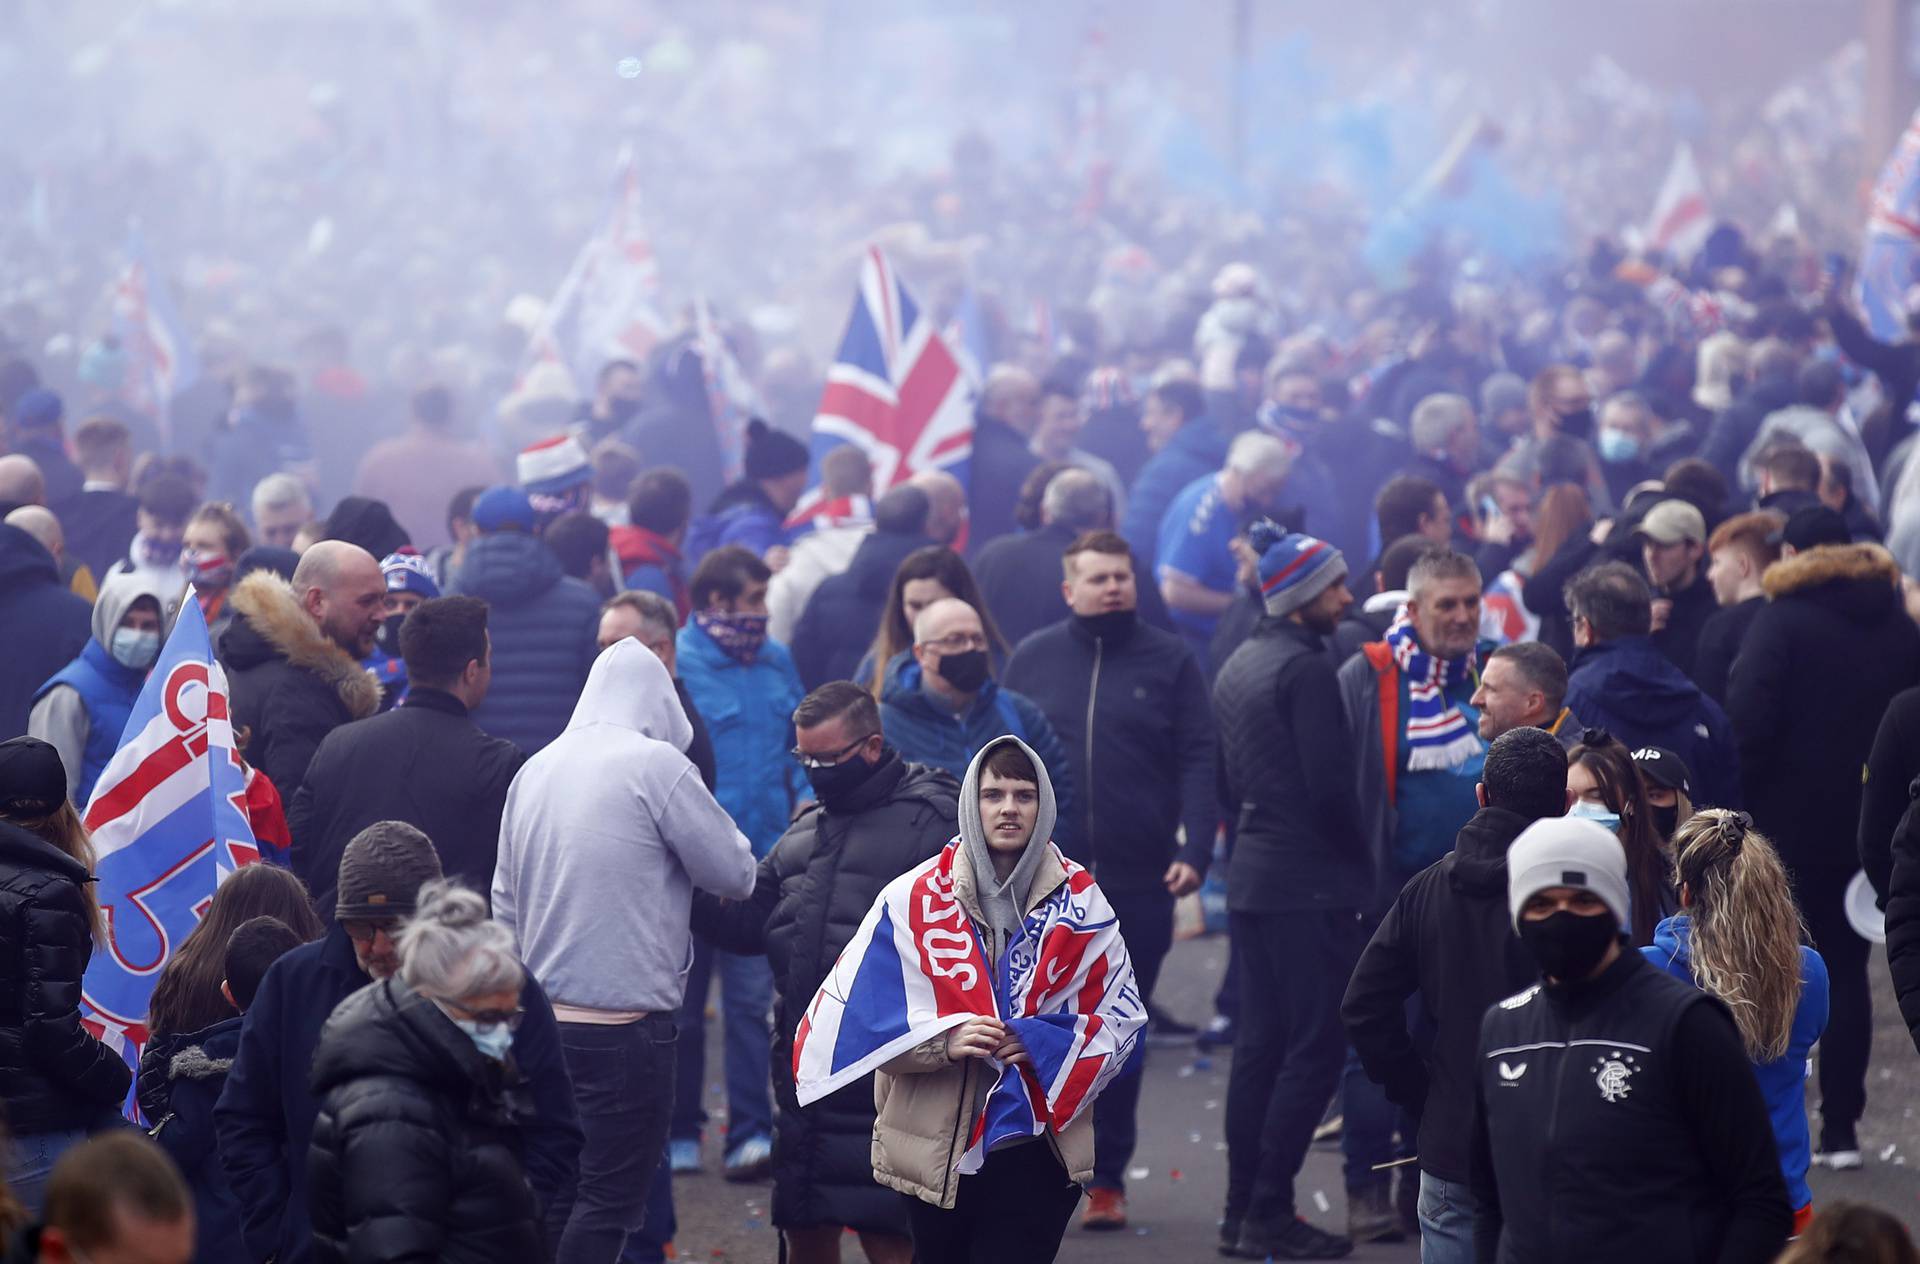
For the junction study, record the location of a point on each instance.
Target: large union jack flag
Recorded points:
(896, 388)
(917, 967)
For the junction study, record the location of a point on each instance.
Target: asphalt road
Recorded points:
(1179, 1175)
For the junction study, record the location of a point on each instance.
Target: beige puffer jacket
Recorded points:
(919, 1133)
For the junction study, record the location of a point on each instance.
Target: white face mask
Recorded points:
(134, 648)
(491, 1039)
(1600, 812)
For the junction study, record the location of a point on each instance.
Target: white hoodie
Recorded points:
(606, 833)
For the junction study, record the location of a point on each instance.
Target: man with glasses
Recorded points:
(944, 707)
(265, 1116)
(875, 817)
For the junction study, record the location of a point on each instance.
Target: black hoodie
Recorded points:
(1448, 937)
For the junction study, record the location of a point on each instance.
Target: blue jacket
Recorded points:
(925, 731)
(108, 688)
(1196, 450)
(1631, 689)
(741, 515)
(1783, 1081)
(192, 1069)
(46, 625)
(264, 1118)
(545, 627)
(748, 709)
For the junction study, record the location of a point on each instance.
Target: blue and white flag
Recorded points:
(1893, 239)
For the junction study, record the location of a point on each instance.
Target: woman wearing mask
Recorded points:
(926, 576)
(1607, 788)
(1669, 790)
(57, 1082)
(83, 709)
(214, 540)
(414, 1149)
(1738, 937)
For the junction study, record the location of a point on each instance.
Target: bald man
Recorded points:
(946, 505)
(21, 483)
(1004, 422)
(39, 522)
(293, 655)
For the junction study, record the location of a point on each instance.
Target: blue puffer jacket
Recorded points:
(748, 709)
(925, 731)
(1196, 450)
(1783, 1081)
(545, 627)
(108, 689)
(741, 515)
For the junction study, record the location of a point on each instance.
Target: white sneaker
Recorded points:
(1839, 1160)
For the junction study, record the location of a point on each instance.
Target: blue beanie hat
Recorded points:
(1294, 568)
(38, 409)
(502, 509)
(407, 571)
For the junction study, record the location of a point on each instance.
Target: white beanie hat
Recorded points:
(1568, 851)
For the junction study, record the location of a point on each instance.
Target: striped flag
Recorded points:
(1681, 220)
(160, 358)
(1893, 239)
(917, 968)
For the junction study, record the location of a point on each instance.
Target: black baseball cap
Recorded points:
(1811, 527)
(1663, 768)
(33, 781)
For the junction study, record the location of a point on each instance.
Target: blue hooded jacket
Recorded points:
(1783, 1081)
(1632, 690)
(1195, 451)
(748, 710)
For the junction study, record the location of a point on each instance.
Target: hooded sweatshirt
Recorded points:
(1003, 903)
(83, 709)
(605, 835)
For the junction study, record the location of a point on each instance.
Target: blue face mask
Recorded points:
(1599, 812)
(1617, 446)
(491, 1039)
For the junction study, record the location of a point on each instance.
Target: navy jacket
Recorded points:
(265, 1115)
(46, 626)
(1634, 692)
(545, 627)
(843, 613)
(180, 1079)
(1196, 450)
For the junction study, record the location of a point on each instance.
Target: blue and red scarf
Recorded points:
(1438, 735)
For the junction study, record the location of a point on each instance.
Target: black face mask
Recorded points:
(1666, 820)
(832, 784)
(1566, 945)
(965, 671)
(388, 636)
(1112, 623)
(1578, 424)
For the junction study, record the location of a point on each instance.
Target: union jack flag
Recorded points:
(160, 359)
(917, 967)
(169, 819)
(896, 388)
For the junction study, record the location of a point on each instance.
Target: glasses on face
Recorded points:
(362, 930)
(508, 1018)
(828, 761)
(959, 642)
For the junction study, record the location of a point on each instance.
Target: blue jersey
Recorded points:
(1195, 535)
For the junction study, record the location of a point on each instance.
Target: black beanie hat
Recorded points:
(382, 871)
(33, 781)
(368, 523)
(772, 453)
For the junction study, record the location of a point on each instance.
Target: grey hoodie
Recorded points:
(1003, 904)
(606, 833)
(60, 716)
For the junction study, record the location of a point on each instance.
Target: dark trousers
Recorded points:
(623, 1088)
(1014, 1210)
(1146, 923)
(1288, 1052)
(689, 1085)
(1848, 1041)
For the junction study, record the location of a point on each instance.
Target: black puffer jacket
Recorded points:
(413, 1152)
(53, 1074)
(812, 891)
(1902, 903)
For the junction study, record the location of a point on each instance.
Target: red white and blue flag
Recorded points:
(160, 358)
(896, 388)
(169, 824)
(917, 967)
(1888, 260)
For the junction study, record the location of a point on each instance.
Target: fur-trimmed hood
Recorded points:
(272, 624)
(1861, 580)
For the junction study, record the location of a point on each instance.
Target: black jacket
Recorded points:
(839, 620)
(181, 1074)
(53, 1074)
(1899, 890)
(1619, 1119)
(1449, 939)
(1131, 709)
(1000, 462)
(424, 762)
(415, 1151)
(700, 749)
(1892, 765)
(809, 897)
(1720, 640)
(1680, 639)
(99, 527)
(290, 686)
(1288, 777)
(1358, 627)
(45, 625)
(1814, 676)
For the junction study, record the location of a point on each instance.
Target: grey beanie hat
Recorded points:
(1568, 851)
(382, 871)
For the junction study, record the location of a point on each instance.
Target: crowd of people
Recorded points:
(1529, 663)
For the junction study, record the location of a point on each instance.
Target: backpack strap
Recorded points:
(1386, 675)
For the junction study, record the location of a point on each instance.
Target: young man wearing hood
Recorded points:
(83, 709)
(610, 826)
(989, 1177)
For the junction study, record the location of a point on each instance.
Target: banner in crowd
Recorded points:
(160, 362)
(896, 388)
(1893, 239)
(1681, 221)
(169, 823)
(731, 398)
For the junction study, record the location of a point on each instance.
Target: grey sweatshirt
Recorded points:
(1003, 903)
(606, 833)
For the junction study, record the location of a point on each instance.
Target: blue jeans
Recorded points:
(623, 1087)
(1367, 1127)
(746, 1005)
(1446, 1221)
(31, 1160)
